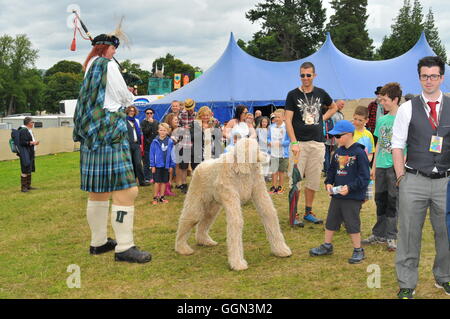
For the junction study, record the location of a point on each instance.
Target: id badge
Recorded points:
(436, 144)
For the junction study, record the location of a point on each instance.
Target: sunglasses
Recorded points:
(339, 135)
(148, 112)
(308, 75)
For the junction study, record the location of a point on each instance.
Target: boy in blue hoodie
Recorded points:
(161, 162)
(347, 181)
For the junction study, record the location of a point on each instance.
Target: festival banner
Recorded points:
(157, 86)
(185, 79)
(177, 81)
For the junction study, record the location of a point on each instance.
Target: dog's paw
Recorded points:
(240, 265)
(184, 250)
(284, 251)
(206, 242)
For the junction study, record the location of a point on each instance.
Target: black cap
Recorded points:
(378, 90)
(106, 39)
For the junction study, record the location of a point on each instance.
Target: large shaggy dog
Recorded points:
(228, 182)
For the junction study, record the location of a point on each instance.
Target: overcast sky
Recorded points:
(195, 31)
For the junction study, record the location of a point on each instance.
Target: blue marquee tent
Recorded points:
(239, 78)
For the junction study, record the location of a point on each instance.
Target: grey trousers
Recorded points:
(416, 194)
(386, 198)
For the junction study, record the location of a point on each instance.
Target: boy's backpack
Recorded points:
(14, 140)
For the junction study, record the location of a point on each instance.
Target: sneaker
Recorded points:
(273, 190)
(280, 190)
(372, 239)
(155, 200)
(322, 250)
(163, 200)
(184, 188)
(110, 245)
(312, 219)
(357, 256)
(391, 245)
(406, 293)
(133, 255)
(445, 286)
(298, 223)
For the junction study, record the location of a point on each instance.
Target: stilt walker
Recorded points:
(105, 161)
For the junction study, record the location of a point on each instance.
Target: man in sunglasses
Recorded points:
(149, 128)
(423, 125)
(304, 124)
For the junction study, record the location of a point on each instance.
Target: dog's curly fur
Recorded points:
(229, 181)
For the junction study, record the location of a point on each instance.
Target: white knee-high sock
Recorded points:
(97, 216)
(122, 222)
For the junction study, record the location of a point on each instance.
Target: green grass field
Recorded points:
(45, 231)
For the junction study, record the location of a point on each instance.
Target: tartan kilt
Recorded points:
(109, 168)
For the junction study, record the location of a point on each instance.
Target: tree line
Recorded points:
(294, 29)
(290, 30)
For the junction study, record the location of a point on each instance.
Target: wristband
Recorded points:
(294, 143)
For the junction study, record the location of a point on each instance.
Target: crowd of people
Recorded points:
(404, 148)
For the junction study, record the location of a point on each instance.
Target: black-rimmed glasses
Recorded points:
(433, 77)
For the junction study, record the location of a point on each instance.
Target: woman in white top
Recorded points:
(238, 126)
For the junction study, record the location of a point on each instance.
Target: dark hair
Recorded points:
(430, 61)
(238, 112)
(261, 119)
(362, 111)
(27, 120)
(392, 90)
(307, 65)
(149, 108)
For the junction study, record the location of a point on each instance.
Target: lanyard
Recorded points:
(306, 98)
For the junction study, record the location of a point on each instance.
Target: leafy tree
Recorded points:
(432, 34)
(61, 86)
(406, 31)
(291, 29)
(173, 66)
(65, 67)
(17, 57)
(135, 68)
(348, 30)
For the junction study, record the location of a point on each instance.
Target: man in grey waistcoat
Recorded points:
(423, 125)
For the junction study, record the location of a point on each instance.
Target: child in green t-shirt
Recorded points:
(383, 173)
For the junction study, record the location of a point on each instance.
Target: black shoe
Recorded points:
(145, 184)
(110, 245)
(357, 256)
(184, 188)
(406, 293)
(298, 223)
(133, 255)
(322, 250)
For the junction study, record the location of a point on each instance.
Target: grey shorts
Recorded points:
(278, 164)
(344, 210)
